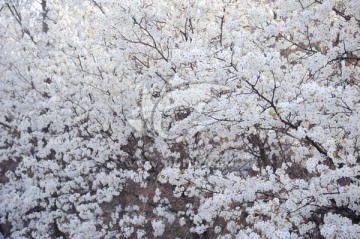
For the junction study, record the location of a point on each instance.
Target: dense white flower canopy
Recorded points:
(180, 119)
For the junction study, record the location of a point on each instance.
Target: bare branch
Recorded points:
(98, 6)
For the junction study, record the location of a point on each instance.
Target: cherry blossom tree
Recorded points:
(180, 119)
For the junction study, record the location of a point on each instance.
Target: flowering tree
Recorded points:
(180, 119)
